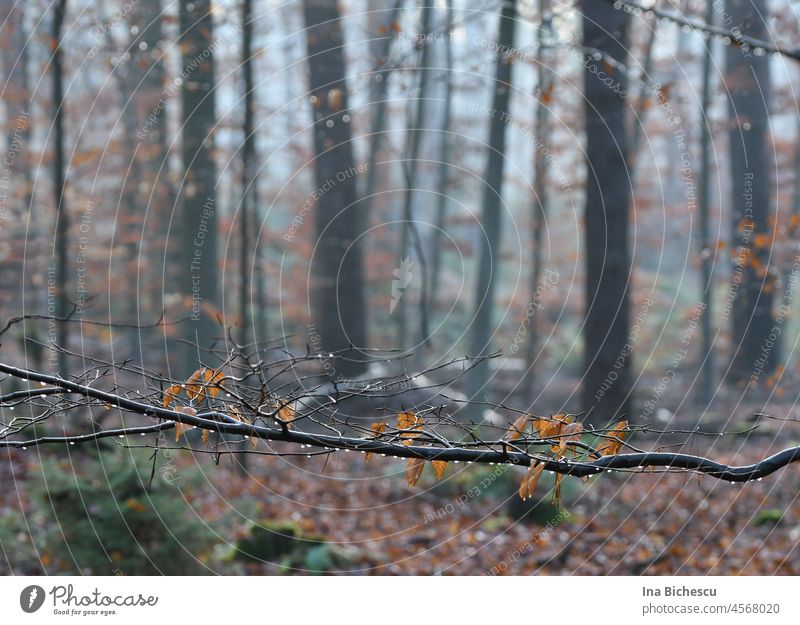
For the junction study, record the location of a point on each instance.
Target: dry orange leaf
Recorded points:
(409, 421)
(438, 467)
(548, 428)
(518, 428)
(613, 444)
(205, 437)
(180, 428)
(193, 389)
(170, 394)
(528, 485)
(572, 434)
(204, 381)
(414, 468)
(557, 490)
(378, 428)
(213, 380)
(286, 414)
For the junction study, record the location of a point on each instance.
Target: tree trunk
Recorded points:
(445, 147)
(15, 53)
(200, 279)
(20, 296)
(489, 262)
(748, 82)
(379, 85)
(59, 173)
(706, 245)
(248, 178)
(159, 258)
(644, 95)
(409, 226)
(130, 218)
(606, 382)
(154, 148)
(542, 199)
(336, 269)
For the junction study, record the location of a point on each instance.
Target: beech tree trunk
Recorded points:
(445, 148)
(749, 85)
(200, 278)
(59, 173)
(409, 225)
(706, 251)
(248, 181)
(489, 262)
(607, 357)
(541, 202)
(339, 317)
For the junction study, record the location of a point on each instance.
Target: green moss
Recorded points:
(284, 543)
(768, 516)
(268, 541)
(105, 518)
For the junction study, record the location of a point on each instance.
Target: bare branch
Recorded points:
(732, 36)
(424, 444)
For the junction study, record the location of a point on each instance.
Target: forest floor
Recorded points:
(473, 523)
(337, 514)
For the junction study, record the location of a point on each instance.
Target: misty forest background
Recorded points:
(603, 197)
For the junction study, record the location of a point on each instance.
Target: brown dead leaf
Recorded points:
(572, 434)
(170, 394)
(213, 379)
(378, 428)
(613, 444)
(181, 428)
(438, 467)
(531, 479)
(414, 468)
(409, 421)
(204, 381)
(549, 428)
(557, 491)
(193, 387)
(517, 428)
(287, 414)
